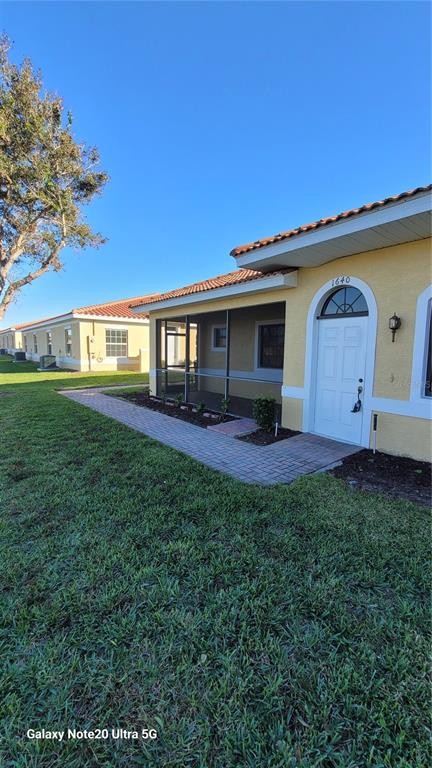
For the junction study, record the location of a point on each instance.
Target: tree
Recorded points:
(46, 178)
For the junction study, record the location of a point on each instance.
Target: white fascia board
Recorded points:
(111, 319)
(356, 223)
(73, 316)
(43, 324)
(253, 286)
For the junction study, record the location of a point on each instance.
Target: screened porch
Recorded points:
(236, 354)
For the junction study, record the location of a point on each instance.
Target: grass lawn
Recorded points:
(252, 627)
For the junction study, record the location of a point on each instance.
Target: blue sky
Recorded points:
(220, 123)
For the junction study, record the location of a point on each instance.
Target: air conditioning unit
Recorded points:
(46, 362)
(19, 357)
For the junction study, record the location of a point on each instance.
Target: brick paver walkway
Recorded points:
(281, 462)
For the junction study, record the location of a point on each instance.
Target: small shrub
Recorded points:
(225, 404)
(179, 399)
(200, 407)
(264, 412)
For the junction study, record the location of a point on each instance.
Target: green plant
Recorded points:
(224, 405)
(200, 407)
(46, 180)
(179, 399)
(264, 412)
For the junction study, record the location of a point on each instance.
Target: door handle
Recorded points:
(357, 405)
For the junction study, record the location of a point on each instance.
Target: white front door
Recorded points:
(340, 369)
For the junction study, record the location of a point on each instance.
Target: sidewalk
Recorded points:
(281, 462)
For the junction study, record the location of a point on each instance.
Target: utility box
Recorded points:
(46, 362)
(20, 357)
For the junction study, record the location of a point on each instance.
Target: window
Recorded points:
(49, 342)
(271, 345)
(345, 301)
(34, 343)
(116, 342)
(428, 385)
(219, 337)
(68, 342)
(25, 344)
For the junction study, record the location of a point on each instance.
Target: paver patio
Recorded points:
(280, 462)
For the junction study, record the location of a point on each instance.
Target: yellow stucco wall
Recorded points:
(397, 276)
(292, 413)
(404, 436)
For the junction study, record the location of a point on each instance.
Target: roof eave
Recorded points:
(270, 283)
(403, 221)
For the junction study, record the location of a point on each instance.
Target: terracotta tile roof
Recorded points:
(37, 322)
(119, 308)
(220, 281)
(15, 327)
(240, 249)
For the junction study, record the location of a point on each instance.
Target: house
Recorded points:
(100, 337)
(11, 339)
(332, 319)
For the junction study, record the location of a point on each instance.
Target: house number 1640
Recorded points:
(341, 280)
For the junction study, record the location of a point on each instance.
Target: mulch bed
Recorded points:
(262, 437)
(169, 408)
(394, 475)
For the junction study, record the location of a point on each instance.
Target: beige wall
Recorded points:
(58, 343)
(86, 356)
(11, 340)
(93, 354)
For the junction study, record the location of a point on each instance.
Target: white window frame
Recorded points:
(213, 329)
(49, 342)
(35, 344)
(273, 374)
(117, 328)
(420, 350)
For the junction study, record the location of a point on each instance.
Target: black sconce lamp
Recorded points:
(394, 324)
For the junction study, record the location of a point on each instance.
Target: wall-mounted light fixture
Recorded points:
(394, 324)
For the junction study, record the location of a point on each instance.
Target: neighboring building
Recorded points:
(11, 339)
(101, 337)
(305, 318)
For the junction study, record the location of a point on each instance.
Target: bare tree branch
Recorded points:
(16, 286)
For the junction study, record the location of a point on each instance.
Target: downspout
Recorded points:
(187, 360)
(227, 353)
